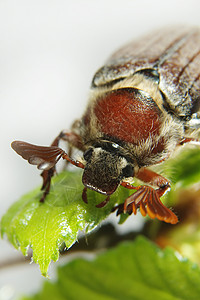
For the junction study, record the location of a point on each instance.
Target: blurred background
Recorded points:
(49, 51)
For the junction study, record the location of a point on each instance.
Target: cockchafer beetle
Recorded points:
(144, 102)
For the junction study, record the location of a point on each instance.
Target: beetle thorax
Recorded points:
(133, 118)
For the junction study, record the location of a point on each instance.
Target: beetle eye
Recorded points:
(128, 171)
(88, 153)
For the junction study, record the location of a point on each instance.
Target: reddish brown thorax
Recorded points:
(128, 114)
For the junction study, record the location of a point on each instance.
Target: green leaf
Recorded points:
(184, 169)
(134, 270)
(45, 226)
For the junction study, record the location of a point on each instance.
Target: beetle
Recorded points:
(144, 103)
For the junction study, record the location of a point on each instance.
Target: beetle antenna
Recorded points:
(45, 158)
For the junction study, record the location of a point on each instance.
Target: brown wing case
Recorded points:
(174, 53)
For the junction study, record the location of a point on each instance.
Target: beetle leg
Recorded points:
(46, 176)
(147, 199)
(84, 195)
(103, 203)
(74, 140)
(152, 178)
(100, 205)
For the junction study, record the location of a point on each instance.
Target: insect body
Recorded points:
(144, 102)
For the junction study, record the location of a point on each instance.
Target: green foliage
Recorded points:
(184, 169)
(133, 270)
(45, 226)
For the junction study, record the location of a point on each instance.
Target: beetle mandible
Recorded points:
(144, 102)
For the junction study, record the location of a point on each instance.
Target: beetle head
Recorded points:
(106, 165)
